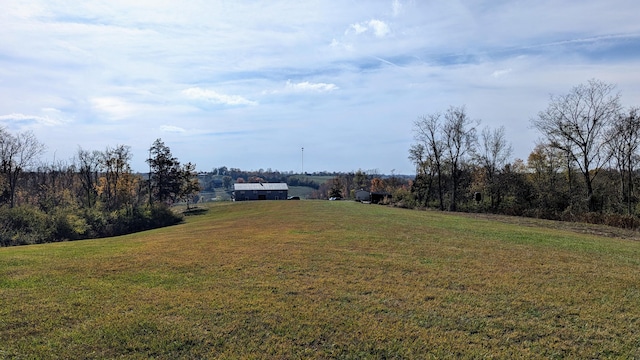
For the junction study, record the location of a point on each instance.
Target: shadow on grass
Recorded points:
(195, 211)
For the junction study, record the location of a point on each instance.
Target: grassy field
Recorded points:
(320, 279)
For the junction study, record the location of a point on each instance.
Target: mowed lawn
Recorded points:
(324, 279)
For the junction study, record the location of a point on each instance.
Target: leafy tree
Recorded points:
(545, 167)
(115, 183)
(188, 185)
(579, 124)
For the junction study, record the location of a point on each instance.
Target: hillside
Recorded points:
(320, 279)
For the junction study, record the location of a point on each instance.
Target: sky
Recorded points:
(249, 84)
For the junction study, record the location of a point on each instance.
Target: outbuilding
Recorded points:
(378, 197)
(374, 197)
(363, 195)
(260, 191)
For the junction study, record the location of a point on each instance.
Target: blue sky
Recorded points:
(247, 84)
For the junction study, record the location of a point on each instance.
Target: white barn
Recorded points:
(260, 191)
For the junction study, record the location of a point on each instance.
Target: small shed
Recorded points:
(260, 191)
(363, 195)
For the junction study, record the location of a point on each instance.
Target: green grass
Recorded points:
(320, 279)
(318, 179)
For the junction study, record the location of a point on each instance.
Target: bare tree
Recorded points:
(428, 133)
(460, 141)
(624, 146)
(494, 155)
(579, 124)
(17, 154)
(88, 165)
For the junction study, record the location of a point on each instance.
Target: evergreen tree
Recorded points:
(170, 182)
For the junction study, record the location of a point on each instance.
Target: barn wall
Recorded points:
(245, 195)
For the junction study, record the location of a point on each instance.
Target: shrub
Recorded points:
(25, 225)
(404, 199)
(70, 226)
(161, 215)
(126, 221)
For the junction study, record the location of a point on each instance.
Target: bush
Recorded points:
(70, 226)
(128, 221)
(25, 225)
(162, 215)
(403, 198)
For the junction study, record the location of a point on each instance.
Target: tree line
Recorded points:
(584, 167)
(95, 194)
(225, 177)
(345, 185)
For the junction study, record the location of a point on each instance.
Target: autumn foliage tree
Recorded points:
(377, 185)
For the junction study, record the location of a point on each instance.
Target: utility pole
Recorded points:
(149, 179)
(303, 161)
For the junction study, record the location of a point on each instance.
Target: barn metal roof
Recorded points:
(260, 186)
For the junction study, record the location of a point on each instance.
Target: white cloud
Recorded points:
(308, 86)
(379, 28)
(396, 6)
(216, 97)
(115, 108)
(44, 120)
(500, 73)
(335, 44)
(172, 129)
(358, 28)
